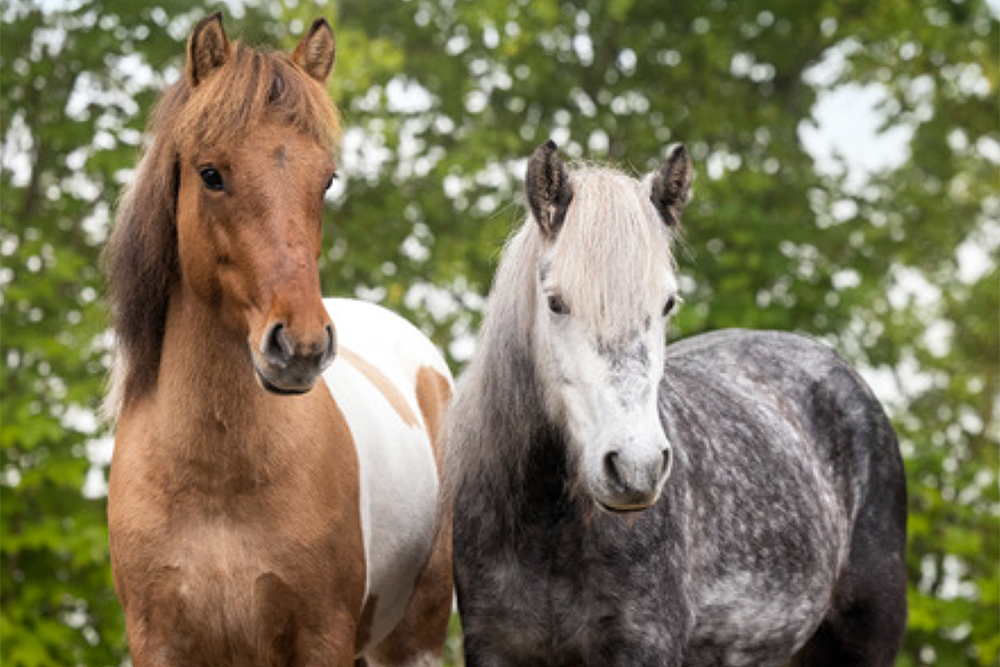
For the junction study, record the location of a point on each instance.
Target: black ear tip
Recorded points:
(211, 18)
(207, 21)
(320, 23)
(546, 154)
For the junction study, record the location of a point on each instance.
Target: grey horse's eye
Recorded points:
(557, 305)
(669, 305)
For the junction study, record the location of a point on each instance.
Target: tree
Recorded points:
(443, 102)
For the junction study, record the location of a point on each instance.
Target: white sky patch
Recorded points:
(407, 97)
(938, 337)
(99, 452)
(911, 286)
(975, 254)
(16, 151)
(363, 153)
(846, 134)
(845, 279)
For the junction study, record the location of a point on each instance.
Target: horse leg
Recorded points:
(859, 633)
(419, 638)
(864, 627)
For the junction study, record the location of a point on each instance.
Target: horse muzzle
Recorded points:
(631, 481)
(287, 364)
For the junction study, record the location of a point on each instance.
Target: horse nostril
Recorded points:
(611, 468)
(667, 464)
(277, 348)
(331, 342)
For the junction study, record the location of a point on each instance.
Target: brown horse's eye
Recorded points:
(212, 179)
(330, 181)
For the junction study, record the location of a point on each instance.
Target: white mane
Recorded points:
(611, 253)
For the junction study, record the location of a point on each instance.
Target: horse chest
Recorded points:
(224, 592)
(214, 573)
(577, 588)
(226, 570)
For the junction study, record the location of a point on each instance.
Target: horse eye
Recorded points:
(330, 182)
(557, 305)
(212, 179)
(669, 306)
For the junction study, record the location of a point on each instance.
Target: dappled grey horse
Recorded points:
(736, 498)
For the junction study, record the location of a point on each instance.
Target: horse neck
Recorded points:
(207, 398)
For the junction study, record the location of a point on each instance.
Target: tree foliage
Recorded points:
(443, 100)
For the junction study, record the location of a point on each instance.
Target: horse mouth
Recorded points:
(624, 510)
(280, 391)
(626, 504)
(292, 384)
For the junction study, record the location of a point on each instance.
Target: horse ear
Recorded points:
(208, 48)
(671, 186)
(548, 188)
(317, 50)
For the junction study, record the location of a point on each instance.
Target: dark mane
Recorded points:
(141, 257)
(494, 415)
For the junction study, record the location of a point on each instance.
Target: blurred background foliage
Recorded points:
(894, 262)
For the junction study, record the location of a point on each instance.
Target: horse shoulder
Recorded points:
(778, 436)
(131, 514)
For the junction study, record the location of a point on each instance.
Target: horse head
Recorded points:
(252, 172)
(605, 288)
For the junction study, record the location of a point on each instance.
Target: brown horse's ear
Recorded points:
(317, 50)
(548, 188)
(208, 48)
(671, 185)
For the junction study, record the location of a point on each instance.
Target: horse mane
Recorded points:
(610, 254)
(495, 410)
(141, 261)
(604, 255)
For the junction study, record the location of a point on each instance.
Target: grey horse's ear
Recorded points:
(671, 186)
(208, 48)
(548, 189)
(317, 50)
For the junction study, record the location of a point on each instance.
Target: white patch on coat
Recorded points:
(399, 477)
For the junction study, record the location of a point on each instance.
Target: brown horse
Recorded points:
(258, 516)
